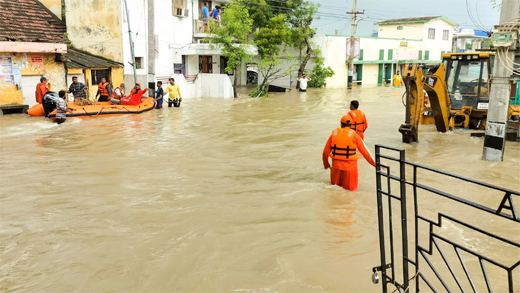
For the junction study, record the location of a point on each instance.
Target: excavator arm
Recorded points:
(418, 85)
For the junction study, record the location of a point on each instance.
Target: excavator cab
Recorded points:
(467, 79)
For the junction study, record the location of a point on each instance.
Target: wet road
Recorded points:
(215, 196)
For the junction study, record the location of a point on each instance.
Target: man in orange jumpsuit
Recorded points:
(343, 146)
(358, 119)
(41, 89)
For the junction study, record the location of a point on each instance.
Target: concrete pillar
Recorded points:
(498, 112)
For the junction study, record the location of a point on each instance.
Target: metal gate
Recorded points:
(442, 232)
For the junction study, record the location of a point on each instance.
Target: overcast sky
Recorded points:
(333, 15)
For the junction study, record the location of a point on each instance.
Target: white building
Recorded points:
(399, 41)
(177, 46)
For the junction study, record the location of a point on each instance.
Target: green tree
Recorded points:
(319, 75)
(232, 38)
(269, 41)
(300, 17)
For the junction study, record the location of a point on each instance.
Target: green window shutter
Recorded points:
(380, 74)
(442, 53)
(361, 55)
(420, 55)
(390, 54)
(382, 54)
(426, 55)
(359, 69)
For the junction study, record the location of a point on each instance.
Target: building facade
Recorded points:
(31, 46)
(398, 42)
(170, 40)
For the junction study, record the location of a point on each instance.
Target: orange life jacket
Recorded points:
(114, 95)
(41, 90)
(342, 145)
(103, 91)
(358, 120)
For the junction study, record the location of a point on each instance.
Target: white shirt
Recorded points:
(303, 83)
(118, 92)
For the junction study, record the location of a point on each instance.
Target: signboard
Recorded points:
(356, 48)
(405, 54)
(6, 66)
(6, 70)
(403, 44)
(37, 62)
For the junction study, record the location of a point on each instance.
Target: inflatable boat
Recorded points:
(104, 109)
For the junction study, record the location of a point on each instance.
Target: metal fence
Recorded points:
(466, 239)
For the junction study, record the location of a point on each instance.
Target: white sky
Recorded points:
(333, 13)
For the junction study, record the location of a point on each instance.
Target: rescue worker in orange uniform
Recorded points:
(41, 89)
(358, 119)
(104, 90)
(343, 147)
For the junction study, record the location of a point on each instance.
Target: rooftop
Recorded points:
(29, 21)
(416, 20)
(81, 59)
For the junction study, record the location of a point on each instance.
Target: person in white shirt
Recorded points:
(119, 93)
(303, 82)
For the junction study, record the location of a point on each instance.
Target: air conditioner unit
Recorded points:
(181, 12)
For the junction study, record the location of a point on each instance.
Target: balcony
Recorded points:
(201, 31)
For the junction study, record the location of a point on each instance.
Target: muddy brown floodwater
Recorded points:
(215, 196)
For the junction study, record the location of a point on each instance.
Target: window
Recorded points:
(431, 34)
(445, 35)
(138, 62)
(97, 75)
(400, 28)
(178, 4)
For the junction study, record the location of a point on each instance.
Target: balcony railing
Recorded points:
(202, 27)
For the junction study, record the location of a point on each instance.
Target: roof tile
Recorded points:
(29, 21)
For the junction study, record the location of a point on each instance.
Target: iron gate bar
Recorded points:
(448, 265)
(465, 270)
(433, 237)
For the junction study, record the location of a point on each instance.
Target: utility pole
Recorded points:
(498, 110)
(131, 43)
(151, 47)
(352, 42)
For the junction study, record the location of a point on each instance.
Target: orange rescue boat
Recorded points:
(103, 110)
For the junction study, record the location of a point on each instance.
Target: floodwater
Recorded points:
(215, 196)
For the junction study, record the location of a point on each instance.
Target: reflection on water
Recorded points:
(218, 195)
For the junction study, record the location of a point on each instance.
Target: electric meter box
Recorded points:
(504, 39)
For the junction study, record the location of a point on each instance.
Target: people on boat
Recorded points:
(135, 97)
(104, 90)
(343, 146)
(117, 95)
(78, 89)
(358, 119)
(159, 96)
(175, 96)
(41, 89)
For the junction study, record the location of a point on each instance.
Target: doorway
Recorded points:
(206, 64)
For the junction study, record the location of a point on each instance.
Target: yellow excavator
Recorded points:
(452, 94)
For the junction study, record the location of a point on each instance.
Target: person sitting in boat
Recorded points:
(135, 97)
(117, 95)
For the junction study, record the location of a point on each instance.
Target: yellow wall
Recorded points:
(95, 27)
(54, 6)
(54, 71)
(116, 79)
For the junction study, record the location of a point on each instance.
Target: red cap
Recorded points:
(345, 119)
(138, 84)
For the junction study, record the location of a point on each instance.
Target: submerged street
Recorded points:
(218, 195)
